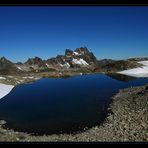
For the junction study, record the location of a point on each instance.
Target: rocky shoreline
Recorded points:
(127, 121)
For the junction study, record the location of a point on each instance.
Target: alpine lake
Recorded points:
(62, 105)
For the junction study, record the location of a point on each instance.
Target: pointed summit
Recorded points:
(35, 60)
(82, 50)
(3, 59)
(68, 52)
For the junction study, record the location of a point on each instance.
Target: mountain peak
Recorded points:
(82, 50)
(68, 52)
(78, 51)
(3, 59)
(34, 60)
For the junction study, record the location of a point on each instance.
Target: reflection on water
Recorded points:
(121, 77)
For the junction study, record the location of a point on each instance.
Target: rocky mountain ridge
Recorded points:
(79, 59)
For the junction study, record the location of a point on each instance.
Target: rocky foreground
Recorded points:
(127, 121)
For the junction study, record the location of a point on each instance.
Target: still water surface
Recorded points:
(65, 105)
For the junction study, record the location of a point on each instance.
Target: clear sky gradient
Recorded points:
(110, 32)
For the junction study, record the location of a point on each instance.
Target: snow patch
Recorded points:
(145, 63)
(2, 78)
(19, 67)
(137, 72)
(66, 65)
(5, 89)
(61, 65)
(47, 65)
(28, 77)
(76, 53)
(10, 76)
(80, 62)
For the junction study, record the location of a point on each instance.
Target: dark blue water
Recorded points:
(53, 106)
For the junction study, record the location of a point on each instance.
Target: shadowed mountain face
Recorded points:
(34, 61)
(80, 59)
(7, 66)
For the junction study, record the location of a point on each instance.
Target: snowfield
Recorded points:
(80, 62)
(137, 72)
(5, 89)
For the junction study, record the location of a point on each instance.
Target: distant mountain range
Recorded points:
(79, 59)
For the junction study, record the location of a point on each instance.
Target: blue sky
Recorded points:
(110, 32)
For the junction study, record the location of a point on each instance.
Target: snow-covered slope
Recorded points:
(80, 62)
(137, 72)
(5, 89)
